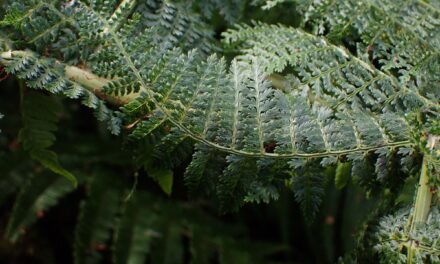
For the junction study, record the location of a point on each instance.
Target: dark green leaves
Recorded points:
(37, 195)
(40, 116)
(343, 173)
(308, 187)
(98, 217)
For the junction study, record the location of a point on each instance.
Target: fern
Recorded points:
(176, 24)
(394, 237)
(13, 176)
(93, 230)
(231, 10)
(174, 102)
(134, 234)
(38, 194)
(308, 186)
(39, 122)
(311, 132)
(290, 102)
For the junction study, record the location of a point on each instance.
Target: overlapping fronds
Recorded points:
(332, 102)
(237, 110)
(344, 95)
(394, 237)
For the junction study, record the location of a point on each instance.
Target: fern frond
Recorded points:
(97, 217)
(401, 36)
(14, 174)
(204, 170)
(308, 188)
(39, 114)
(231, 10)
(331, 72)
(47, 25)
(176, 24)
(169, 98)
(238, 101)
(392, 235)
(50, 75)
(174, 148)
(134, 235)
(38, 194)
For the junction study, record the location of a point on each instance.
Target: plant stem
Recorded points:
(424, 197)
(422, 205)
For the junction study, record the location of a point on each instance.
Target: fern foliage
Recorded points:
(94, 228)
(333, 103)
(38, 194)
(254, 98)
(394, 239)
(39, 122)
(353, 89)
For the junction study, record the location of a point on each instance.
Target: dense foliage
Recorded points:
(227, 103)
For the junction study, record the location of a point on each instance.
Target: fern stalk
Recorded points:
(422, 206)
(424, 195)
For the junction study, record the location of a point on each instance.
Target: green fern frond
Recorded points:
(47, 74)
(394, 239)
(401, 36)
(40, 117)
(38, 194)
(332, 73)
(14, 174)
(231, 10)
(46, 25)
(97, 217)
(335, 103)
(238, 101)
(204, 170)
(134, 234)
(308, 187)
(174, 148)
(177, 25)
(171, 102)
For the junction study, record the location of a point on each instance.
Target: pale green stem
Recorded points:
(422, 206)
(424, 196)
